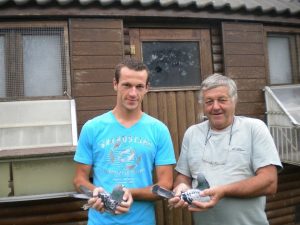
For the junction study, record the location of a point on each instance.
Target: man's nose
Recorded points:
(132, 91)
(216, 104)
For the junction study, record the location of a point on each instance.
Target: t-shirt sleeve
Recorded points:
(182, 164)
(83, 152)
(264, 149)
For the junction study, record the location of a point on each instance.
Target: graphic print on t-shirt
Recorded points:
(123, 157)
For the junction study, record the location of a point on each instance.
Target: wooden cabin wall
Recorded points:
(96, 48)
(283, 208)
(244, 61)
(64, 211)
(217, 49)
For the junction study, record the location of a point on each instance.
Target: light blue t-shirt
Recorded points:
(125, 156)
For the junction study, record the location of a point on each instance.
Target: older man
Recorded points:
(237, 156)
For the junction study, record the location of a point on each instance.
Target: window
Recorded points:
(172, 64)
(33, 60)
(178, 58)
(283, 59)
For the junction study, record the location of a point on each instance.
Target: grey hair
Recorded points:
(217, 80)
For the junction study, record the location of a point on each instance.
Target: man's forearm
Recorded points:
(143, 194)
(264, 183)
(182, 179)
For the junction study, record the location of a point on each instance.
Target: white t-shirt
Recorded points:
(228, 156)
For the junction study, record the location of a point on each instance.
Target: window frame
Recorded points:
(294, 50)
(200, 35)
(64, 58)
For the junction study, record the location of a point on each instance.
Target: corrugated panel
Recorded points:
(265, 6)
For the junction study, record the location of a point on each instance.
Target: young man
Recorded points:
(237, 156)
(123, 147)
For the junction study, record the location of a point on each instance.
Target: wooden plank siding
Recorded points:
(244, 61)
(178, 110)
(283, 207)
(217, 50)
(96, 48)
(62, 211)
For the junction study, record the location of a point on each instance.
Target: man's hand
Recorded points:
(177, 202)
(124, 206)
(182, 187)
(215, 194)
(97, 203)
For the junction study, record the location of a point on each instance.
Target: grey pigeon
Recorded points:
(190, 195)
(110, 201)
(195, 194)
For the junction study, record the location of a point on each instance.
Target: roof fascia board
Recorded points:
(168, 13)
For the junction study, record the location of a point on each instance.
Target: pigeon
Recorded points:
(188, 196)
(195, 194)
(110, 201)
(162, 192)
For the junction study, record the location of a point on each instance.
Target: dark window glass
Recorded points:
(172, 64)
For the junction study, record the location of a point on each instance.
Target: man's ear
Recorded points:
(115, 84)
(147, 87)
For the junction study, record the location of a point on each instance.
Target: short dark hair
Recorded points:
(132, 64)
